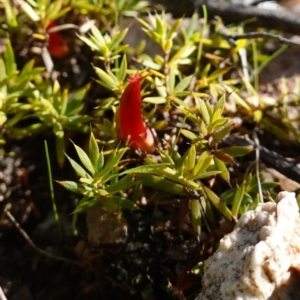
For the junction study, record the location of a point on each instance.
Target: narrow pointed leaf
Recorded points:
(220, 103)
(237, 150)
(237, 200)
(223, 156)
(217, 203)
(191, 158)
(239, 100)
(29, 11)
(203, 163)
(120, 185)
(123, 68)
(144, 24)
(123, 202)
(84, 159)
(92, 45)
(76, 187)
(98, 35)
(209, 109)
(114, 159)
(275, 129)
(155, 100)
(160, 87)
(100, 162)
(80, 171)
(220, 166)
(196, 216)
(172, 30)
(218, 123)
(118, 38)
(166, 158)
(10, 14)
(59, 148)
(206, 174)
(209, 213)
(188, 134)
(3, 75)
(90, 204)
(93, 151)
(76, 103)
(217, 73)
(106, 79)
(204, 112)
(253, 188)
(183, 52)
(171, 78)
(9, 58)
(221, 133)
(216, 115)
(145, 169)
(183, 84)
(161, 184)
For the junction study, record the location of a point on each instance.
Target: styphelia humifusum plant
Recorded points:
(133, 128)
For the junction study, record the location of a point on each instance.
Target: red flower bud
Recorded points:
(132, 126)
(57, 47)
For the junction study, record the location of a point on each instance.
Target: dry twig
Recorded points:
(281, 19)
(269, 158)
(255, 35)
(37, 249)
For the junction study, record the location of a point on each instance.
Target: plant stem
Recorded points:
(198, 60)
(54, 207)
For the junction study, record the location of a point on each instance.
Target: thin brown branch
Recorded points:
(269, 158)
(37, 249)
(281, 19)
(255, 35)
(232, 38)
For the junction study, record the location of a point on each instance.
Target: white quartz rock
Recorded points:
(260, 259)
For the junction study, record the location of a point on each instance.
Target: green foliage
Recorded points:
(160, 31)
(245, 196)
(100, 182)
(46, 107)
(185, 92)
(110, 9)
(108, 47)
(279, 113)
(45, 11)
(198, 90)
(167, 87)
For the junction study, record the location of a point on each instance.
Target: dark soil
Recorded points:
(152, 263)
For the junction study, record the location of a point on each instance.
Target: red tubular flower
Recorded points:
(57, 47)
(132, 126)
